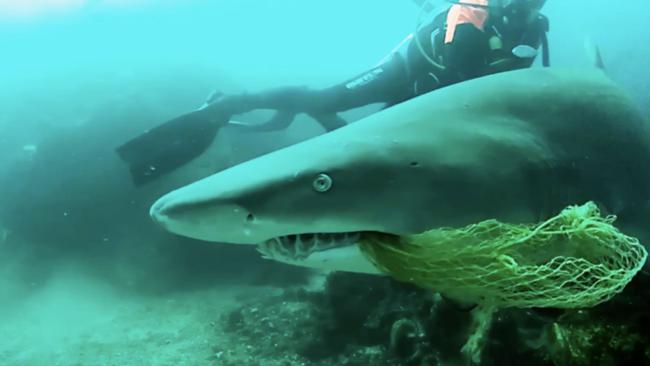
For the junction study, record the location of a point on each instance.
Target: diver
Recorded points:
(472, 38)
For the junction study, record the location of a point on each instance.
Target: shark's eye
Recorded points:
(322, 183)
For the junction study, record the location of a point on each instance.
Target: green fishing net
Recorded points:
(576, 259)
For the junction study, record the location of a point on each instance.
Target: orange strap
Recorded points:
(460, 14)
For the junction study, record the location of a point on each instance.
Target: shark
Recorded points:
(518, 147)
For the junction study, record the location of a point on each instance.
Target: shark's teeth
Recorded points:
(301, 246)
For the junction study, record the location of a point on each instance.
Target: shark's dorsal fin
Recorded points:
(593, 52)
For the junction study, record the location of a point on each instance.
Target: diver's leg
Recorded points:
(386, 83)
(329, 121)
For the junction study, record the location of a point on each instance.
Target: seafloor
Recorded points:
(335, 319)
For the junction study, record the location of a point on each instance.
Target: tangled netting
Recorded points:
(576, 259)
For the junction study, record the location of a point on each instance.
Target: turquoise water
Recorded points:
(85, 52)
(86, 278)
(250, 41)
(79, 53)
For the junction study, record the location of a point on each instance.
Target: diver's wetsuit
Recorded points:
(408, 74)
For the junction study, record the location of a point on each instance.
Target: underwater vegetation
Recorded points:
(361, 320)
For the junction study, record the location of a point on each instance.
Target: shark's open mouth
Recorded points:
(301, 246)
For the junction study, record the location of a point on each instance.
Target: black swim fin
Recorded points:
(167, 147)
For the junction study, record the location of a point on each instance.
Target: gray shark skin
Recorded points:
(518, 147)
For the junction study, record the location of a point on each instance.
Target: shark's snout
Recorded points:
(210, 221)
(158, 212)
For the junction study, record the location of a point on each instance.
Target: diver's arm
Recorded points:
(467, 56)
(508, 64)
(535, 39)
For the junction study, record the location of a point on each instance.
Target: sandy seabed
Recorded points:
(76, 321)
